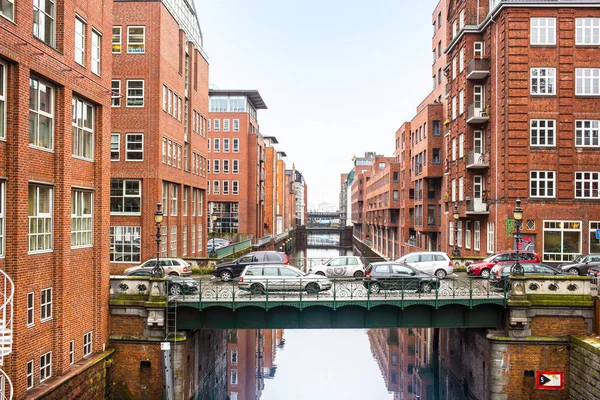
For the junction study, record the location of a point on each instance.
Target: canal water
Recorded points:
(361, 364)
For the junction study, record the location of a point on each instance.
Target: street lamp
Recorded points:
(158, 271)
(456, 215)
(517, 268)
(213, 251)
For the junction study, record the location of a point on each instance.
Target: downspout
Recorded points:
(496, 128)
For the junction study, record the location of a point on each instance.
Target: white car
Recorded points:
(339, 267)
(171, 266)
(431, 262)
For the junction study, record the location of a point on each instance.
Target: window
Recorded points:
(184, 239)
(164, 98)
(587, 81)
(454, 108)
(40, 218)
(461, 20)
(543, 31)
(216, 188)
(586, 185)
(29, 374)
(458, 233)
(2, 217)
(179, 109)
(199, 238)
(435, 157)
(125, 244)
(467, 234)
(115, 147)
(454, 68)
(115, 97)
(87, 344)
(453, 190)
(476, 235)
(116, 39)
(217, 125)
(135, 93)
(461, 102)
(542, 132)
(226, 145)
(586, 133)
(461, 60)
(461, 188)
(461, 145)
(562, 240)
(543, 81)
(225, 187)
(235, 167)
(170, 101)
(454, 29)
(216, 145)
(490, 237)
(81, 219)
(7, 9)
(478, 49)
(226, 125)
(125, 196)
(234, 187)
(587, 31)
(45, 366)
(41, 114)
(30, 309)
(174, 101)
(174, 241)
(236, 145)
(451, 233)
(234, 377)
(46, 305)
(174, 189)
(164, 241)
(44, 27)
(134, 150)
(96, 40)
(71, 352)
(136, 40)
(541, 184)
(83, 129)
(594, 243)
(169, 152)
(193, 239)
(236, 125)
(3, 90)
(234, 356)
(80, 41)
(186, 194)
(454, 149)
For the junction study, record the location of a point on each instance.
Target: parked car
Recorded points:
(502, 273)
(341, 266)
(171, 266)
(259, 279)
(581, 264)
(594, 273)
(431, 262)
(484, 267)
(231, 269)
(176, 285)
(220, 242)
(388, 275)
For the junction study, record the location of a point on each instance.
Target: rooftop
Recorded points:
(252, 95)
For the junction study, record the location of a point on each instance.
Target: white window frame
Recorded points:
(543, 179)
(82, 226)
(216, 145)
(193, 241)
(216, 187)
(225, 187)
(234, 377)
(83, 136)
(561, 226)
(451, 233)
(491, 240)
(216, 125)
(234, 357)
(199, 248)
(96, 51)
(461, 189)
(453, 193)
(587, 31)
(45, 366)
(225, 166)
(30, 309)
(173, 241)
(542, 77)
(587, 136)
(184, 240)
(49, 17)
(587, 81)
(461, 60)
(235, 187)
(542, 31)
(216, 166)
(115, 97)
(226, 147)
(71, 352)
(236, 125)
(459, 232)
(461, 102)
(142, 43)
(125, 235)
(133, 151)
(235, 145)
(226, 124)
(8, 11)
(30, 382)
(174, 194)
(461, 145)
(87, 344)
(136, 97)
(467, 234)
(478, 49)
(186, 194)
(454, 110)
(476, 235)
(200, 198)
(587, 182)
(46, 304)
(235, 166)
(45, 219)
(3, 102)
(454, 149)
(115, 146)
(164, 231)
(37, 114)
(461, 20)
(542, 129)
(125, 196)
(120, 42)
(80, 52)
(454, 68)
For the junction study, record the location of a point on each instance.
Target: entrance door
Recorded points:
(478, 193)
(478, 144)
(478, 100)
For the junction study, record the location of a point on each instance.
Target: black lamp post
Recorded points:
(517, 268)
(213, 251)
(158, 271)
(456, 215)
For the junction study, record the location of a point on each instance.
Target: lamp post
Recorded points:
(158, 271)
(213, 251)
(517, 268)
(456, 215)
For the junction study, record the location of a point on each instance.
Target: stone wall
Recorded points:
(584, 371)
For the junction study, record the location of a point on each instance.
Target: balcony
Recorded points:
(476, 206)
(477, 160)
(479, 68)
(477, 115)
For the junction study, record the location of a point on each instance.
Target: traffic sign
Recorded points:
(549, 380)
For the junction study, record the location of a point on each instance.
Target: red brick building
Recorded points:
(159, 129)
(55, 68)
(523, 123)
(237, 157)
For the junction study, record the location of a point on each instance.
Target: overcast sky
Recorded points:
(339, 77)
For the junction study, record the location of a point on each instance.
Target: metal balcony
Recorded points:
(479, 68)
(477, 115)
(477, 160)
(476, 206)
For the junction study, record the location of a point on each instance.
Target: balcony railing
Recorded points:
(477, 115)
(477, 206)
(477, 160)
(479, 68)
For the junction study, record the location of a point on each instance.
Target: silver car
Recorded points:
(259, 279)
(342, 266)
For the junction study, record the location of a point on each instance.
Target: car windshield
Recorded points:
(489, 258)
(578, 259)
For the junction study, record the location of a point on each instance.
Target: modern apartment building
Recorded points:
(523, 122)
(159, 132)
(362, 173)
(237, 162)
(300, 198)
(55, 68)
(280, 204)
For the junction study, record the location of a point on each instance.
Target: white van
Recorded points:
(431, 262)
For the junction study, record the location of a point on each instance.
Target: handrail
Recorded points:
(6, 315)
(6, 388)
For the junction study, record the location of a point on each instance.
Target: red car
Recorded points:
(482, 268)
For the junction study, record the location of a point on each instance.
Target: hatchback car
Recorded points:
(339, 267)
(430, 262)
(484, 267)
(581, 264)
(219, 242)
(260, 279)
(176, 285)
(398, 276)
(171, 266)
(502, 273)
(231, 269)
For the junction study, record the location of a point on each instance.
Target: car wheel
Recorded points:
(485, 273)
(257, 288)
(173, 273)
(225, 275)
(358, 274)
(440, 273)
(375, 288)
(320, 273)
(175, 289)
(426, 287)
(312, 288)
(573, 271)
